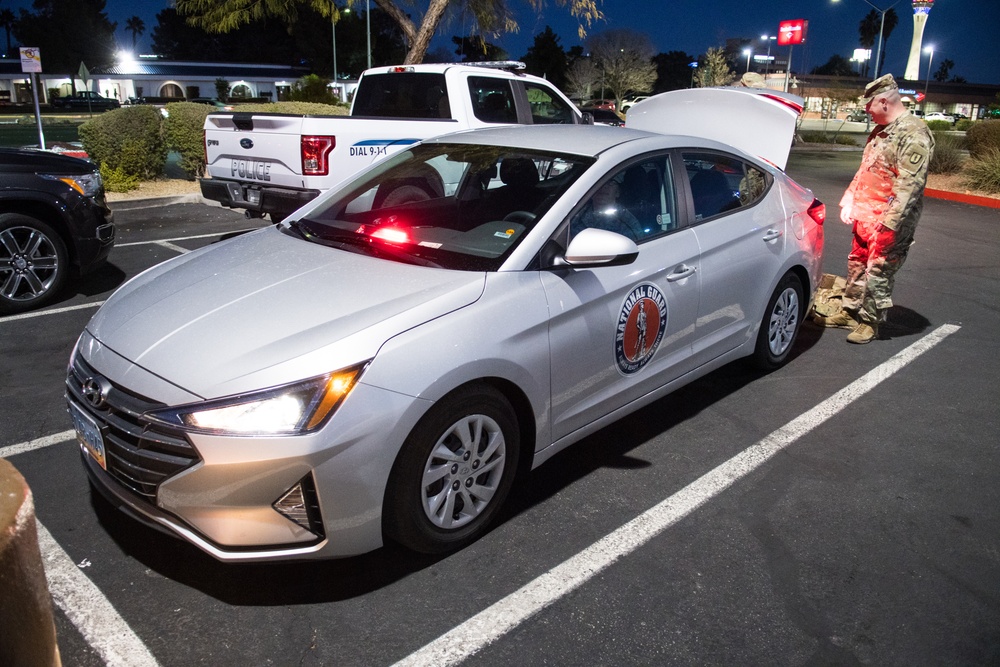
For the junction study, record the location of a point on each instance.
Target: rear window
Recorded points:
(402, 95)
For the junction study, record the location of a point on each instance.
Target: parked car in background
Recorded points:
(54, 222)
(605, 116)
(599, 104)
(858, 116)
(632, 102)
(85, 100)
(939, 115)
(441, 323)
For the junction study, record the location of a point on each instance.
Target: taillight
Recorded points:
(315, 151)
(817, 211)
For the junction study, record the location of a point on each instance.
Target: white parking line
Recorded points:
(88, 609)
(492, 623)
(37, 443)
(171, 246)
(185, 238)
(54, 311)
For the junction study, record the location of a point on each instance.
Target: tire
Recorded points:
(33, 263)
(443, 493)
(780, 325)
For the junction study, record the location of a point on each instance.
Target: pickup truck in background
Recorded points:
(274, 163)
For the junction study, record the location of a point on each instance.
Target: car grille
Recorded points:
(139, 454)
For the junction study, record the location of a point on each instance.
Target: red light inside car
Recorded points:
(315, 150)
(391, 235)
(817, 211)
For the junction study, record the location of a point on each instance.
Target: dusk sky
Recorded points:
(963, 31)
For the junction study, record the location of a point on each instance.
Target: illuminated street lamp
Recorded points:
(768, 39)
(929, 50)
(748, 53)
(878, 54)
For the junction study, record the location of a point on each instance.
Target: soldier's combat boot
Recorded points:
(841, 320)
(864, 333)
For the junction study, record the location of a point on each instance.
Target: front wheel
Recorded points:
(33, 263)
(780, 325)
(453, 472)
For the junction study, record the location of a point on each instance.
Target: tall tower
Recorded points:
(921, 9)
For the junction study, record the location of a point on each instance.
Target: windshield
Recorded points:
(454, 206)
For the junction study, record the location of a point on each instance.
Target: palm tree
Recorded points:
(868, 32)
(135, 26)
(7, 20)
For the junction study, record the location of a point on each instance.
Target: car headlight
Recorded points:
(292, 409)
(88, 185)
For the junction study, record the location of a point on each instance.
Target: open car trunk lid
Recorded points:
(759, 122)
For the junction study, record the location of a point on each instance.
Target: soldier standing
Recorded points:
(883, 204)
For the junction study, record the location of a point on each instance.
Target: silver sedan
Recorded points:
(384, 363)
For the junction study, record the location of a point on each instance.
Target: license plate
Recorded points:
(89, 435)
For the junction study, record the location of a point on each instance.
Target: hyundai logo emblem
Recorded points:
(246, 143)
(94, 391)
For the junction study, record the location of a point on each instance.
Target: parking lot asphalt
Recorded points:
(842, 510)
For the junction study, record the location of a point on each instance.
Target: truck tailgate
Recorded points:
(255, 148)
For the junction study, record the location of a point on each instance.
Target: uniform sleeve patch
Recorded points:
(914, 159)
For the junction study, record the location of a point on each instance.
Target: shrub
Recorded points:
(983, 173)
(947, 157)
(825, 138)
(938, 125)
(983, 137)
(130, 139)
(116, 180)
(184, 133)
(964, 124)
(295, 108)
(312, 88)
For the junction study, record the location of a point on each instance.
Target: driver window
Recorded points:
(637, 202)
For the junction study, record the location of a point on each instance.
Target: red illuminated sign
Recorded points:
(792, 32)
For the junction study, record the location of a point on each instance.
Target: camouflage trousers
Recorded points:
(877, 254)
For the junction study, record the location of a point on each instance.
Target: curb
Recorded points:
(961, 198)
(154, 202)
(29, 634)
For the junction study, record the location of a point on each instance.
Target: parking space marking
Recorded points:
(170, 246)
(54, 311)
(492, 623)
(37, 443)
(186, 238)
(93, 615)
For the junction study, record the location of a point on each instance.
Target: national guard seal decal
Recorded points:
(641, 323)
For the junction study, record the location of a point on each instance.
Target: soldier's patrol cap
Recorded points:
(883, 84)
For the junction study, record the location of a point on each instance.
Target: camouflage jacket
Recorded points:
(889, 185)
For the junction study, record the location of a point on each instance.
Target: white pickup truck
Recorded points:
(275, 163)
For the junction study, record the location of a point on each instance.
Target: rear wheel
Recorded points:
(453, 472)
(780, 325)
(33, 263)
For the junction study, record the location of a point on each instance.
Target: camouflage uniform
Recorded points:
(885, 200)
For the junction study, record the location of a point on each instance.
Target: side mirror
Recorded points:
(592, 248)
(588, 118)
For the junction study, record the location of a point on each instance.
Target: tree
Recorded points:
(546, 58)
(944, 69)
(868, 32)
(474, 49)
(673, 71)
(713, 70)
(136, 26)
(492, 17)
(582, 79)
(68, 32)
(7, 20)
(837, 65)
(624, 58)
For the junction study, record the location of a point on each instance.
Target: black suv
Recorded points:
(85, 100)
(53, 219)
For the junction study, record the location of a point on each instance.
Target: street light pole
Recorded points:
(333, 31)
(768, 39)
(930, 59)
(368, 18)
(747, 53)
(881, 29)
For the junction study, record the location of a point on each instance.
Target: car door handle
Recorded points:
(772, 234)
(680, 273)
